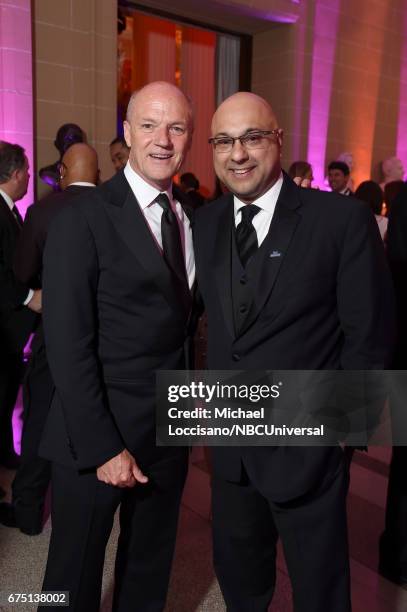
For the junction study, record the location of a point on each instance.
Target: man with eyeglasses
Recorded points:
(291, 279)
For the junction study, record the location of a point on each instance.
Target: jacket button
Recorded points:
(236, 357)
(243, 280)
(243, 309)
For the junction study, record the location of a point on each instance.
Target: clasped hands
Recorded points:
(121, 471)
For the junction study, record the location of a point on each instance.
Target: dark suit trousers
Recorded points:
(314, 535)
(33, 476)
(11, 369)
(393, 543)
(83, 509)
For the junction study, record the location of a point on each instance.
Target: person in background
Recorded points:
(338, 177)
(67, 135)
(119, 153)
(78, 173)
(19, 304)
(190, 185)
(392, 170)
(393, 541)
(391, 191)
(347, 157)
(301, 170)
(371, 193)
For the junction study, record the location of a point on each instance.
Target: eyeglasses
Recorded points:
(252, 140)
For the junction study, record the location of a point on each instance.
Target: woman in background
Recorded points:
(371, 193)
(301, 169)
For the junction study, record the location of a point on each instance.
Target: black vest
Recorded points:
(245, 281)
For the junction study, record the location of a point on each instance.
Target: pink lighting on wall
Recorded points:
(323, 56)
(402, 119)
(16, 98)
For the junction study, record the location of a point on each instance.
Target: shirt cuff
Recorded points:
(29, 297)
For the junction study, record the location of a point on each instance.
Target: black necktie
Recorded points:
(17, 216)
(246, 237)
(172, 248)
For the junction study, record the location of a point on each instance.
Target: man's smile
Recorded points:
(242, 172)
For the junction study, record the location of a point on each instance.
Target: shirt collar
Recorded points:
(144, 192)
(7, 198)
(267, 201)
(81, 184)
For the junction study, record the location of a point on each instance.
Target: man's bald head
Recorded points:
(250, 167)
(244, 103)
(79, 164)
(158, 89)
(392, 169)
(158, 130)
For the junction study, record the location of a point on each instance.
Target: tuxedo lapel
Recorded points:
(128, 219)
(223, 263)
(12, 221)
(271, 255)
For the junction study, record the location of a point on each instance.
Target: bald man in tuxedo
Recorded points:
(292, 279)
(78, 173)
(118, 279)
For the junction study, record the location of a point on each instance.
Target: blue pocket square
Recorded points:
(275, 254)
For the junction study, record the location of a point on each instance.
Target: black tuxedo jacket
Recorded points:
(320, 298)
(111, 318)
(16, 321)
(31, 242)
(397, 255)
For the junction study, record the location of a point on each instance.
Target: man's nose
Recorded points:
(239, 153)
(162, 137)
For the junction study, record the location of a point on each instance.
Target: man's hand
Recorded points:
(302, 182)
(121, 471)
(35, 303)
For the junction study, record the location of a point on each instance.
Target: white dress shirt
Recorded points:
(82, 184)
(11, 205)
(145, 195)
(382, 223)
(9, 201)
(267, 203)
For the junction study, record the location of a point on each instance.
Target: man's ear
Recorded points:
(127, 135)
(15, 175)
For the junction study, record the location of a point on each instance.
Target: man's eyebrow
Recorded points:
(250, 129)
